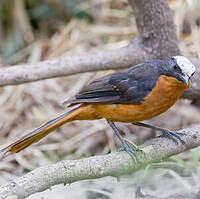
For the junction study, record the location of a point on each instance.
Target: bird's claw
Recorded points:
(133, 152)
(173, 135)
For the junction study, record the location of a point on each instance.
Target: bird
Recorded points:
(136, 94)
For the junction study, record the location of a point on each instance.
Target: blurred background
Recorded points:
(36, 30)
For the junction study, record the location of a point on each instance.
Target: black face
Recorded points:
(171, 68)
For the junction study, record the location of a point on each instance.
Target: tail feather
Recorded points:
(39, 133)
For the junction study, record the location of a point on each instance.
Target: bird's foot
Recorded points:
(173, 135)
(134, 146)
(132, 150)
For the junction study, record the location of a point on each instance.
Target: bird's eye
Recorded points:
(175, 67)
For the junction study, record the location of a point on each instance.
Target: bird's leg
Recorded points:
(173, 135)
(130, 150)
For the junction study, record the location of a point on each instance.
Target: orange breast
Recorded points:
(163, 96)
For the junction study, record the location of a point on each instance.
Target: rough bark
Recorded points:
(156, 28)
(114, 164)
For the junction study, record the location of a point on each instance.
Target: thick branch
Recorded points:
(114, 164)
(156, 28)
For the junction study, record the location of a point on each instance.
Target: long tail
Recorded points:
(40, 132)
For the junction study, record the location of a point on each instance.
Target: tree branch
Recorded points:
(66, 65)
(114, 164)
(156, 28)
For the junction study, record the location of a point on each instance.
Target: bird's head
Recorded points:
(179, 67)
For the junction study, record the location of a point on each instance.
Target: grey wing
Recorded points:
(98, 91)
(128, 87)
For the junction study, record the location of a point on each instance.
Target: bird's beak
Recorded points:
(185, 79)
